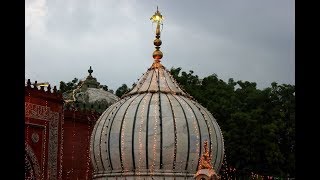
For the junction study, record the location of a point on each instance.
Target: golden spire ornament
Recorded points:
(157, 54)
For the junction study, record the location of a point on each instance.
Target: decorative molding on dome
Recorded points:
(205, 160)
(157, 80)
(146, 174)
(205, 168)
(156, 64)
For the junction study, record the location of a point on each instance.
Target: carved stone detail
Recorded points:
(44, 113)
(34, 165)
(53, 145)
(35, 137)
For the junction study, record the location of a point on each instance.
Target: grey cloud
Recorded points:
(245, 40)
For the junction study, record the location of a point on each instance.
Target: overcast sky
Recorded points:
(250, 40)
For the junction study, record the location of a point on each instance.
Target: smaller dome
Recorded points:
(94, 95)
(89, 94)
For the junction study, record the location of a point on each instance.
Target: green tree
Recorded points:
(122, 90)
(64, 87)
(104, 87)
(258, 125)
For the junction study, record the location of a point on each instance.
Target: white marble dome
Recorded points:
(155, 131)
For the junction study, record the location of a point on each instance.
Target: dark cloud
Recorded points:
(246, 40)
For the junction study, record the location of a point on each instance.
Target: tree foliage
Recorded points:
(258, 125)
(122, 90)
(104, 87)
(65, 87)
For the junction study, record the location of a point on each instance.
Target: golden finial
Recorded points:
(157, 54)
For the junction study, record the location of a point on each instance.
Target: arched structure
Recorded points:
(32, 168)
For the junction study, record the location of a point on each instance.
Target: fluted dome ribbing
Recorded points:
(156, 130)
